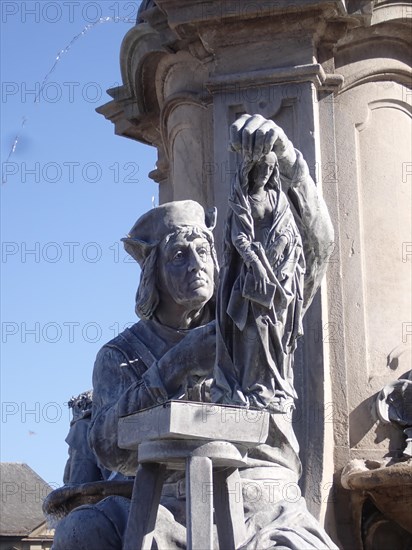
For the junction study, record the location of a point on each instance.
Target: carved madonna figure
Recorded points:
(261, 291)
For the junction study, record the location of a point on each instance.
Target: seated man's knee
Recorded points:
(93, 527)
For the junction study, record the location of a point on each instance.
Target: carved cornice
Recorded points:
(182, 15)
(180, 73)
(141, 49)
(382, 54)
(193, 36)
(401, 76)
(300, 73)
(135, 109)
(129, 123)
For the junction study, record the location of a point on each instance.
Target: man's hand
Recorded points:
(255, 136)
(198, 350)
(194, 356)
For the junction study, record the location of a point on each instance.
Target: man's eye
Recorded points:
(203, 252)
(178, 255)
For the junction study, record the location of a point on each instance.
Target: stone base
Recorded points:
(199, 421)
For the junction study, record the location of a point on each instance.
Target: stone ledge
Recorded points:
(195, 421)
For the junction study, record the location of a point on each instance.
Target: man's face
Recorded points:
(186, 271)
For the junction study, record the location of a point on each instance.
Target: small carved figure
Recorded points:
(393, 405)
(261, 291)
(81, 466)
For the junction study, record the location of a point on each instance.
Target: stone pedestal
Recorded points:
(181, 435)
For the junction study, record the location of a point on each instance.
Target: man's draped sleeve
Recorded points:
(314, 223)
(113, 382)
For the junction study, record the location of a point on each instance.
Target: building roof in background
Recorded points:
(22, 495)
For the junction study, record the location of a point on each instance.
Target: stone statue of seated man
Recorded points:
(170, 354)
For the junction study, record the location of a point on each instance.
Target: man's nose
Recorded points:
(195, 261)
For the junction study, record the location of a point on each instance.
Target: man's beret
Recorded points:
(163, 220)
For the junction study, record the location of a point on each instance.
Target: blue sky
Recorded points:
(72, 189)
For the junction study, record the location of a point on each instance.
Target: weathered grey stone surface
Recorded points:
(186, 420)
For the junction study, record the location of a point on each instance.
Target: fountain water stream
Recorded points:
(61, 53)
